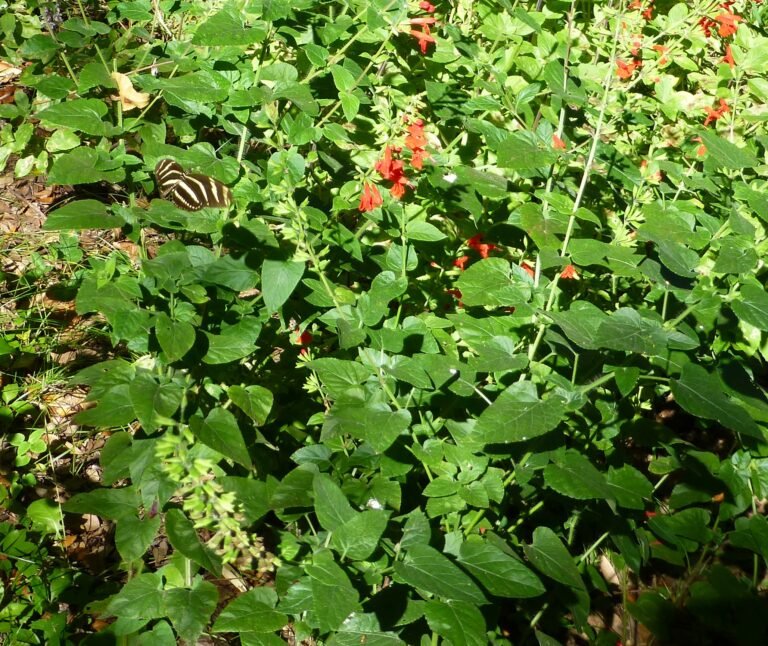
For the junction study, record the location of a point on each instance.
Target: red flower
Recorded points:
(416, 137)
(626, 70)
(648, 11)
(569, 273)
(456, 293)
(702, 149)
(424, 39)
(706, 25)
(302, 338)
(475, 242)
(728, 23)
(461, 262)
(392, 170)
(416, 141)
(371, 198)
(557, 143)
(426, 6)
(527, 268)
(422, 35)
(662, 51)
(728, 58)
(713, 114)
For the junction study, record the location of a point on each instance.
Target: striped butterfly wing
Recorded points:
(190, 191)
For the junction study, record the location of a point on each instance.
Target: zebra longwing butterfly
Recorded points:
(190, 191)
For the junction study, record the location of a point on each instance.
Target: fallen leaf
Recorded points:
(129, 97)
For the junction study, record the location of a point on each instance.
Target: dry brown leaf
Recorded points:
(8, 72)
(129, 97)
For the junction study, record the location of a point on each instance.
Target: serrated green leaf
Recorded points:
(457, 621)
(82, 214)
(491, 282)
(333, 597)
(499, 573)
(518, 415)
(190, 610)
(575, 476)
(278, 280)
(250, 613)
(548, 554)
(429, 570)
(752, 306)
(220, 431)
(726, 154)
(225, 28)
(176, 338)
(183, 536)
(701, 394)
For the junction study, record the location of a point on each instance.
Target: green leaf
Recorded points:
(254, 401)
(629, 487)
(45, 516)
(678, 258)
(499, 573)
(752, 306)
(278, 280)
(627, 330)
(84, 115)
(183, 536)
(575, 476)
(191, 610)
(378, 424)
(521, 152)
(701, 394)
(457, 621)
(333, 597)
(548, 554)
(234, 273)
(225, 28)
(295, 488)
(424, 231)
(250, 612)
(339, 375)
(726, 154)
(491, 282)
(82, 214)
(736, 255)
(251, 494)
(343, 79)
(220, 431)
(427, 569)
(112, 504)
(331, 505)
(86, 165)
(235, 341)
(133, 536)
(176, 338)
(519, 415)
(357, 538)
(140, 598)
(580, 323)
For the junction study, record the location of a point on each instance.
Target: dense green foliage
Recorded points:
(486, 319)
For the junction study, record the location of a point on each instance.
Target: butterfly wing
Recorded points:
(190, 191)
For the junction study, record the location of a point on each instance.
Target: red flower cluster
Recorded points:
(422, 32)
(625, 70)
(647, 12)
(713, 114)
(371, 198)
(727, 19)
(569, 273)
(420, 27)
(392, 170)
(476, 243)
(416, 142)
(558, 144)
